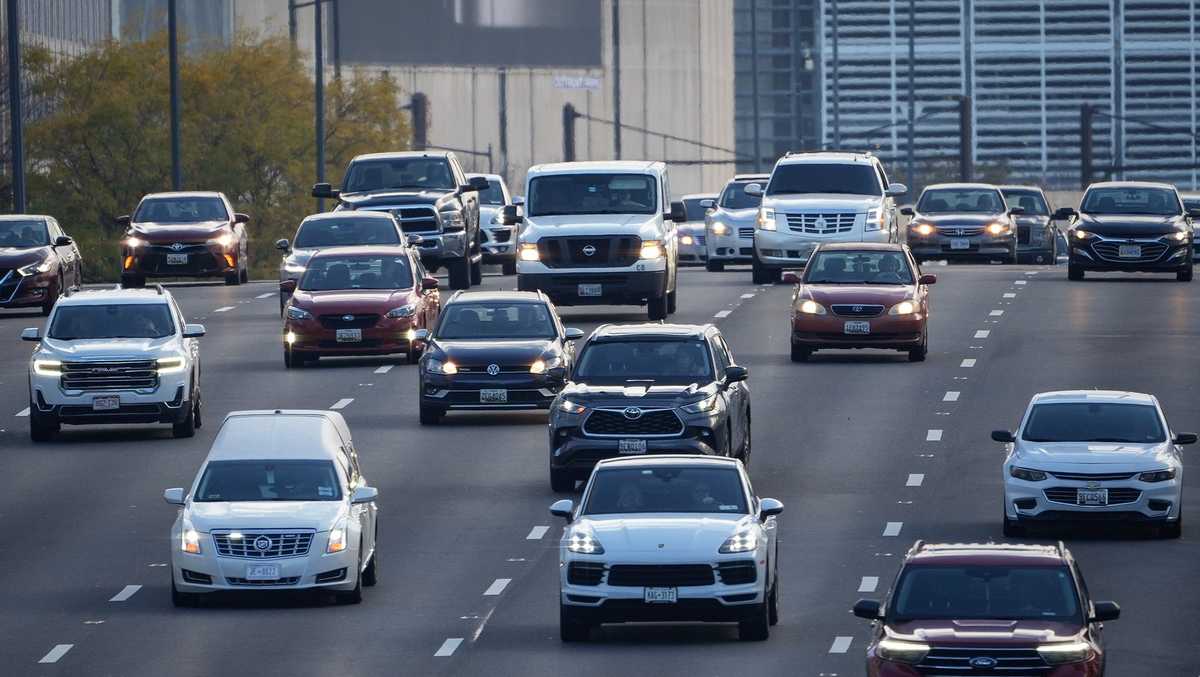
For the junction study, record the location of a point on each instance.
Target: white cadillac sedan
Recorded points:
(280, 503)
(668, 538)
(1093, 455)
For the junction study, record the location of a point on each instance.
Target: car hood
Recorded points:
(637, 395)
(107, 349)
(1063, 454)
(642, 225)
(351, 301)
(300, 256)
(379, 198)
(316, 515)
(944, 220)
(1130, 225)
(489, 351)
(177, 232)
(868, 294)
(828, 202)
(990, 632)
(692, 227)
(16, 257)
(669, 535)
(487, 212)
(746, 217)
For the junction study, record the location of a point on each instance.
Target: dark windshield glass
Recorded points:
(496, 321)
(1094, 422)
(131, 320)
(961, 201)
(269, 481)
(864, 267)
(849, 179)
(1148, 201)
(666, 489)
(1191, 203)
(346, 232)
(665, 362)
(327, 273)
(735, 196)
(181, 210)
(592, 194)
(413, 173)
(992, 592)
(22, 234)
(694, 211)
(493, 195)
(1029, 200)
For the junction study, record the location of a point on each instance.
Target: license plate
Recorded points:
(591, 290)
(262, 572)
(106, 403)
(492, 395)
(349, 335)
(1092, 497)
(177, 259)
(1129, 251)
(631, 446)
(857, 328)
(960, 243)
(660, 595)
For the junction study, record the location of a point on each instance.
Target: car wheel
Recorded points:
(41, 426)
(561, 481)
(773, 602)
(133, 281)
(186, 427)
(282, 305)
(233, 279)
(1173, 529)
(714, 266)
(672, 302)
(656, 308)
(570, 628)
(370, 575)
(1012, 528)
(431, 415)
(509, 267)
(188, 600)
(289, 359)
(918, 354)
(460, 273)
(1184, 275)
(744, 454)
(51, 298)
(413, 355)
(477, 272)
(1074, 272)
(762, 274)
(757, 627)
(354, 596)
(801, 353)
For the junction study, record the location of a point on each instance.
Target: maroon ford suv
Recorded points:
(987, 609)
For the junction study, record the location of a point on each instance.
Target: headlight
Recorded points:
(766, 218)
(167, 365)
(745, 540)
(35, 268)
(1066, 652)
(294, 313)
(1157, 475)
(901, 652)
(337, 537)
(999, 229)
(875, 220)
(705, 405)
(584, 543)
(293, 268)
(47, 367)
(223, 240)
(719, 228)
(811, 307)
(1027, 474)
(540, 366)
(133, 242)
(189, 539)
(435, 366)
(686, 239)
(451, 217)
(402, 311)
(572, 408)
(1081, 234)
(651, 249)
(529, 251)
(923, 229)
(1178, 236)
(903, 308)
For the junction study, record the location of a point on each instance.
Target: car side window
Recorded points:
(666, 193)
(719, 354)
(882, 175)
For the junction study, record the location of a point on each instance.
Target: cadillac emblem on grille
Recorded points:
(493, 369)
(819, 223)
(632, 413)
(983, 662)
(177, 246)
(262, 544)
(347, 318)
(589, 250)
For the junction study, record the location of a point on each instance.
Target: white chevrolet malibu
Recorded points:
(668, 538)
(1093, 455)
(280, 503)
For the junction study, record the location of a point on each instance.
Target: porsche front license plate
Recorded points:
(106, 403)
(349, 335)
(857, 328)
(1092, 497)
(631, 446)
(1129, 251)
(177, 259)
(262, 572)
(493, 396)
(960, 243)
(591, 290)
(660, 595)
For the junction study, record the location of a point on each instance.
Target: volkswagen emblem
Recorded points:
(493, 369)
(347, 318)
(589, 250)
(178, 246)
(632, 413)
(982, 662)
(262, 544)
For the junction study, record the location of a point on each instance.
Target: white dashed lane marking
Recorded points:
(969, 362)
(265, 296)
(448, 647)
(983, 333)
(748, 296)
(126, 592)
(950, 396)
(23, 412)
(1010, 295)
(841, 644)
(342, 403)
(893, 528)
(868, 584)
(915, 479)
(497, 587)
(722, 314)
(1020, 282)
(56, 653)
(223, 309)
(996, 313)
(933, 435)
(536, 533)
(384, 369)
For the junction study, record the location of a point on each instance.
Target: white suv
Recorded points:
(115, 356)
(820, 197)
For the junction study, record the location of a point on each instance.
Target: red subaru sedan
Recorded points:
(359, 301)
(860, 295)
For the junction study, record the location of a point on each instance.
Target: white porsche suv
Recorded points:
(668, 538)
(820, 197)
(115, 356)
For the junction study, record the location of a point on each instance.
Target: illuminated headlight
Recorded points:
(451, 217)
(1027, 474)
(35, 268)
(572, 408)
(1081, 234)
(540, 366)
(435, 366)
(134, 242)
(999, 229)
(168, 365)
(294, 313)
(652, 249)
(719, 228)
(402, 311)
(1177, 236)
(584, 543)
(1157, 475)
(1066, 652)
(745, 540)
(292, 268)
(337, 537)
(685, 240)
(189, 539)
(290, 337)
(223, 240)
(766, 218)
(923, 229)
(811, 307)
(875, 220)
(903, 308)
(901, 652)
(47, 367)
(705, 405)
(529, 251)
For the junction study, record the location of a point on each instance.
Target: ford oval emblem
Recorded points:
(982, 662)
(262, 544)
(589, 250)
(632, 413)
(493, 369)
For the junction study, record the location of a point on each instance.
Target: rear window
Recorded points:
(319, 233)
(811, 177)
(993, 592)
(735, 196)
(1094, 422)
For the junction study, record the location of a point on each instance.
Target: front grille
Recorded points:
(960, 231)
(573, 252)
(353, 345)
(660, 575)
(1093, 477)
(957, 660)
(416, 219)
(614, 423)
(1110, 251)
(111, 375)
(290, 580)
(1070, 495)
(282, 544)
(361, 321)
(127, 410)
(737, 573)
(813, 223)
(498, 235)
(585, 573)
(10, 282)
(504, 369)
(746, 233)
(856, 310)
(153, 259)
(1023, 234)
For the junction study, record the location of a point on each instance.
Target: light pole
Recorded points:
(14, 107)
(754, 82)
(318, 29)
(912, 93)
(173, 65)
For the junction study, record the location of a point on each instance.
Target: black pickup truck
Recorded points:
(431, 197)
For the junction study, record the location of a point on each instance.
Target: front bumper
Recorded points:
(387, 336)
(1103, 255)
(571, 449)
(939, 246)
(1129, 500)
(730, 247)
(195, 259)
(783, 248)
(898, 332)
(499, 244)
(435, 246)
(463, 391)
(295, 573)
(877, 667)
(22, 291)
(563, 285)
(168, 402)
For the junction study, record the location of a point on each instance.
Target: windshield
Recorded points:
(735, 196)
(269, 481)
(694, 211)
(22, 234)
(1190, 203)
(493, 195)
(347, 231)
(961, 201)
(1145, 201)
(1094, 422)
(862, 267)
(496, 321)
(130, 320)
(663, 362)
(991, 592)
(809, 177)
(181, 210)
(414, 173)
(562, 194)
(1029, 200)
(360, 271)
(666, 489)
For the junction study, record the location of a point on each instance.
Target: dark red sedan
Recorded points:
(359, 301)
(860, 295)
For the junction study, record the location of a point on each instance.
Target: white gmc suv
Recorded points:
(599, 233)
(115, 356)
(826, 196)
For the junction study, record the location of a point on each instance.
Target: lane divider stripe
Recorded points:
(723, 314)
(536, 533)
(23, 412)
(915, 479)
(893, 528)
(265, 296)
(448, 647)
(126, 592)
(841, 644)
(223, 309)
(56, 653)
(869, 584)
(384, 369)
(933, 435)
(951, 396)
(983, 333)
(969, 362)
(342, 403)
(996, 313)
(497, 587)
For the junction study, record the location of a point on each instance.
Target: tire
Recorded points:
(197, 416)
(801, 353)
(656, 308)
(477, 273)
(762, 274)
(354, 596)
(714, 266)
(757, 628)
(282, 305)
(133, 281)
(561, 481)
(51, 299)
(185, 600)
(773, 601)
(186, 427)
(570, 628)
(413, 355)
(509, 267)
(1012, 528)
(460, 273)
(42, 427)
(431, 415)
(290, 360)
(672, 301)
(1173, 530)
(1184, 275)
(370, 575)
(746, 450)
(1074, 272)
(233, 279)
(918, 354)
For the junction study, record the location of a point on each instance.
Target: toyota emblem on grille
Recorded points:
(1093, 485)
(589, 250)
(632, 413)
(177, 246)
(262, 544)
(347, 318)
(982, 662)
(493, 369)
(857, 309)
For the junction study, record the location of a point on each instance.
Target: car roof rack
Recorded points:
(158, 288)
(866, 153)
(916, 547)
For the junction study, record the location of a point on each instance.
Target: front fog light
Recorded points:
(290, 337)
(687, 240)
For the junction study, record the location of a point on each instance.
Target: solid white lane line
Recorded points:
(950, 396)
(969, 362)
(265, 296)
(933, 435)
(342, 403)
(126, 592)
(841, 644)
(223, 309)
(1020, 282)
(723, 314)
(447, 648)
(869, 584)
(1010, 295)
(748, 296)
(23, 412)
(983, 333)
(536, 533)
(497, 587)
(384, 369)
(56, 653)
(893, 528)
(915, 479)
(996, 313)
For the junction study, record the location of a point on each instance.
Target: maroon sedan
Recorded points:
(359, 301)
(860, 295)
(184, 235)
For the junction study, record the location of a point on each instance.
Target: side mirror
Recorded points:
(518, 200)
(572, 334)
(239, 217)
(868, 608)
(769, 507)
(174, 496)
(1185, 438)
(324, 190)
(124, 220)
(736, 374)
(907, 211)
(791, 278)
(31, 334)
(283, 245)
(429, 283)
(708, 204)
(510, 215)
(421, 335)
(1003, 436)
(364, 495)
(1016, 211)
(563, 508)
(413, 239)
(1064, 213)
(1193, 213)
(678, 212)
(287, 286)
(1105, 611)
(193, 330)
(62, 241)
(753, 189)
(927, 278)
(896, 190)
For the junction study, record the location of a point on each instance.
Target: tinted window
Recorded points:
(1029, 200)
(269, 481)
(31, 233)
(413, 173)
(496, 321)
(140, 320)
(592, 194)
(1017, 593)
(666, 489)
(961, 201)
(861, 267)
(181, 210)
(493, 195)
(694, 211)
(735, 197)
(661, 361)
(345, 232)
(1190, 203)
(1152, 201)
(327, 273)
(1094, 422)
(850, 179)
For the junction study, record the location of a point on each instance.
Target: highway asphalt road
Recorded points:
(867, 451)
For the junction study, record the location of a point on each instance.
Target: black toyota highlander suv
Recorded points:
(649, 388)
